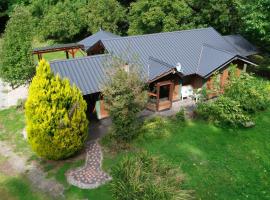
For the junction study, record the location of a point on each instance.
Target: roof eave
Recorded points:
(237, 57)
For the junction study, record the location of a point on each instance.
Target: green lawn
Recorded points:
(59, 55)
(218, 163)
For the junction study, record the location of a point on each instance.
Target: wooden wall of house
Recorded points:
(224, 75)
(194, 80)
(177, 85)
(98, 48)
(101, 110)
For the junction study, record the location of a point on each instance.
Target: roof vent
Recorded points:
(179, 67)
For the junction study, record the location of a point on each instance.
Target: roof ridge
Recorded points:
(199, 61)
(162, 33)
(80, 58)
(161, 62)
(227, 42)
(218, 49)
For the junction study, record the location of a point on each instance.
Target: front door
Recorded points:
(165, 92)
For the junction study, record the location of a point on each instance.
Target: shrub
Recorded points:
(223, 111)
(155, 127)
(180, 115)
(251, 92)
(145, 177)
(55, 115)
(20, 104)
(125, 97)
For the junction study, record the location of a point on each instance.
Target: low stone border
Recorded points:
(90, 175)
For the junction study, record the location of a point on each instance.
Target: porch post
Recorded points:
(158, 91)
(180, 89)
(171, 93)
(67, 55)
(245, 67)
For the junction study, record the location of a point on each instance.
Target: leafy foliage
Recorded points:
(256, 21)
(17, 66)
(243, 95)
(124, 96)
(223, 111)
(146, 177)
(106, 14)
(158, 16)
(249, 91)
(62, 21)
(155, 128)
(180, 115)
(221, 14)
(55, 115)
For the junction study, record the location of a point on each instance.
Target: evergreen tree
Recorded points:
(17, 66)
(55, 115)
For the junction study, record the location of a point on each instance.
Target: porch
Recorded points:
(188, 104)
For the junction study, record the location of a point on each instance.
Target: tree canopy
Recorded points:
(17, 66)
(62, 21)
(159, 16)
(106, 14)
(65, 20)
(256, 21)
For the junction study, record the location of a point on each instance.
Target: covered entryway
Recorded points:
(160, 97)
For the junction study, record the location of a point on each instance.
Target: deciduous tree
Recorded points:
(125, 96)
(106, 14)
(62, 21)
(159, 16)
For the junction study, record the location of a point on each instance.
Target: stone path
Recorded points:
(90, 175)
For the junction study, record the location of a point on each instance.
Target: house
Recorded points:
(173, 62)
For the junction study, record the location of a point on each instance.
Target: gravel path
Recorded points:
(9, 97)
(90, 175)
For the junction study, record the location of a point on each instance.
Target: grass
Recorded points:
(59, 55)
(12, 122)
(11, 126)
(16, 187)
(217, 163)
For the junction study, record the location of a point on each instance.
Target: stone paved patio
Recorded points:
(90, 175)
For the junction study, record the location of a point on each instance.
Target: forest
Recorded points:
(71, 20)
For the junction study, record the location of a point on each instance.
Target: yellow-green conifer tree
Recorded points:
(55, 115)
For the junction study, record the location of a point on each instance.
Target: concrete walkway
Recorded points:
(9, 97)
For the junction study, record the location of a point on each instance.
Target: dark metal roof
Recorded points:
(172, 47)
(93, 39)
(211, 58)
(88, 73)
(157, 68)
(242, 45)
(199, 51)
(58, 47)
